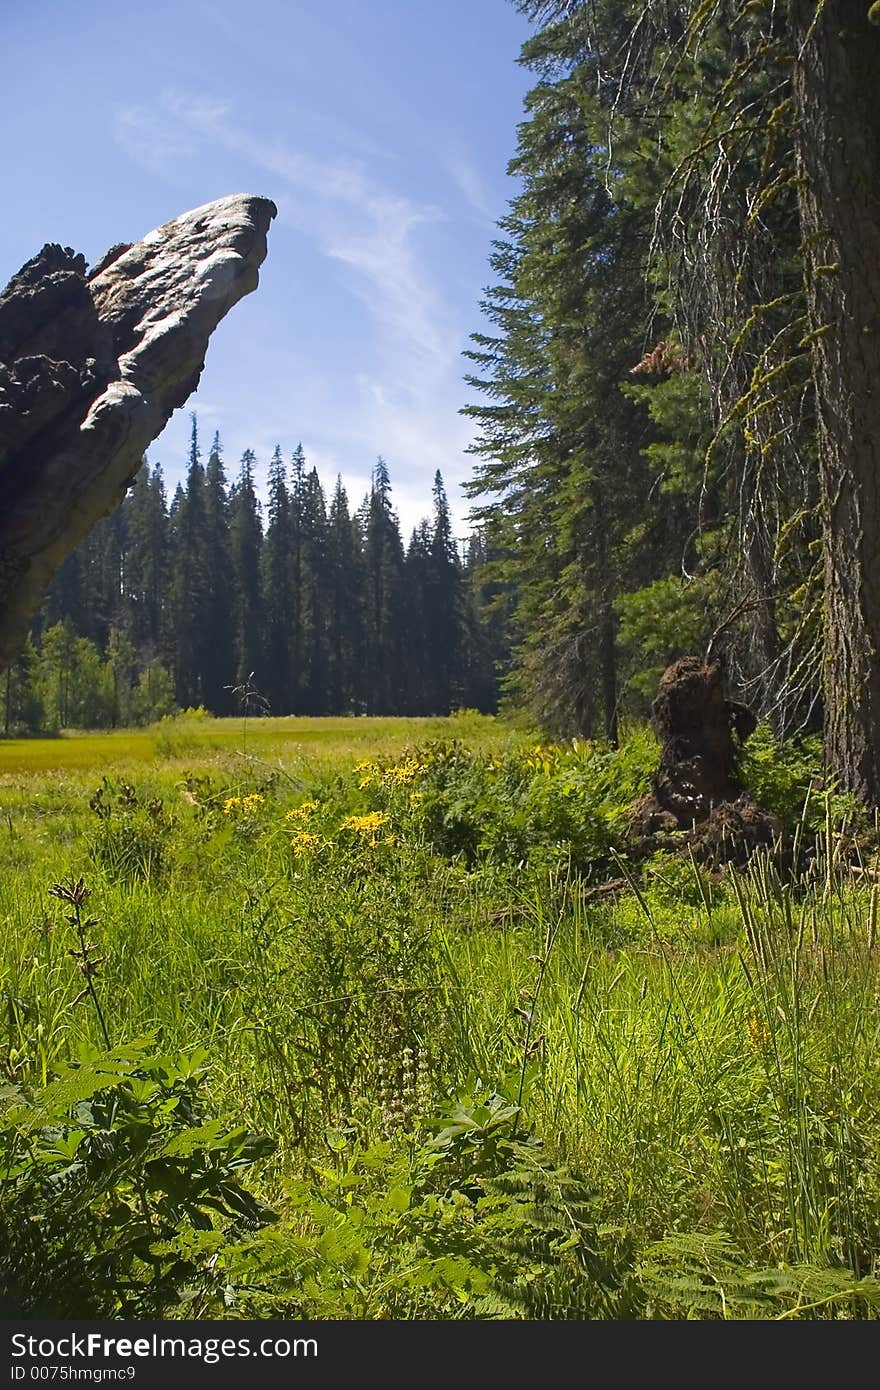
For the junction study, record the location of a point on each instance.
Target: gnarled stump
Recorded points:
(697, 786)
(91, 369)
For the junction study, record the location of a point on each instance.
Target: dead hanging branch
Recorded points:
(742, 607)
(725, 249)
(706, 86)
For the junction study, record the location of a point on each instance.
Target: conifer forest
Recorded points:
(317, 610)
(481, 923)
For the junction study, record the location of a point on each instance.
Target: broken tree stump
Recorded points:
(92, 367)
(697, 787)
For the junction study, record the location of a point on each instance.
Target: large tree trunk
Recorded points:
(837, 109)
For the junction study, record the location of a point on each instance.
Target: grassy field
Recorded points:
(334, 1018)
(294, 743)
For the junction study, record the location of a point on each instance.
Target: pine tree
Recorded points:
(22, 706)
(485, 649)
(444, 613)
(189, 597)
(146, 569)
(344, 589)
(278, 589)
(68, 595)
(560, 443)
(313, 595)
(297, 635)
(384, 562)
(218, 662)
(419, 692)
(168, 629)
(246, 541)
(88, 590)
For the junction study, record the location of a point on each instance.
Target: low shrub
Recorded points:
(117, 1190)
(544, 806)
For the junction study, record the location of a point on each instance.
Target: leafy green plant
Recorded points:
(545, 806)
(133, 834)
(339, 996)
(789, 780)
(539, 1235)
(76, 895)
(102, 1172)
(706, 1276)
(472, 1223)
(363, 1238)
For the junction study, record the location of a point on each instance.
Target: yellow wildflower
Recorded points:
(365, 825)
(247, 804)
(759, 1034)
(301, 812)
(303, 843)
(403, 772)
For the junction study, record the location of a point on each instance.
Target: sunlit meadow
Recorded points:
(385, 1018)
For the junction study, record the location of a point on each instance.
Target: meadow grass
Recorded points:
(697, 1050)
(293, 742)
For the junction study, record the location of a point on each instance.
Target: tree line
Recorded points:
(316, 609)
(677, 425)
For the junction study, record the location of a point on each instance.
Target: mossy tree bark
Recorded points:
(837, 109)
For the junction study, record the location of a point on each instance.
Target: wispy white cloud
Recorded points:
(468, 181)
(406, 406)
(149, 140)
(356, 220)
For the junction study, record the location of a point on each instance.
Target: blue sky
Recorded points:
(382, 130)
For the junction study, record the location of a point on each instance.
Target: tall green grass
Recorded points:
(696, 1050)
